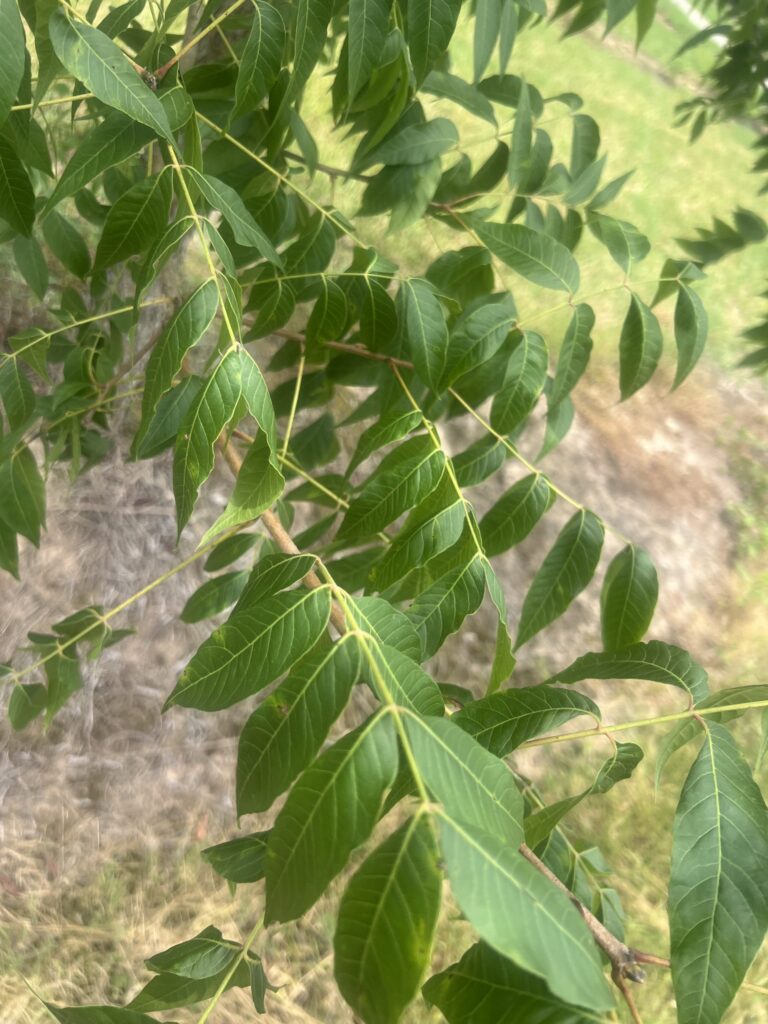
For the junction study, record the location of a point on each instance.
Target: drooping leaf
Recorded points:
(575, 353)
(17, 197)
(639, 347)
(255, 646)
(451, 87)
(170, 991)
(429, 27)
(628, 598)
(258, 485)
(525, 377)
(386, 921)
(516, 513)
(204, 956)
(473, 785)
(440, 610)
(330, 810)
(261, 58)
(312, 17)
(718, 888)
(185, 329)
(22, 494)
(477, 337)
(239, 860)
(367, 29)
(135, 222)
(12, 64)
(540, 929)
(422, 320)
(214, 596)
(655, 661)
(519, 164)
(485, 987)
(272, 574)
(564, 573)
(98, 1015)
(691, 326)
(536, 257)
(96, 61)
(67, 244)
(404, 477)
(16, 393)
(286, 731)
(502, 721)
(622, 240)
(413, 144)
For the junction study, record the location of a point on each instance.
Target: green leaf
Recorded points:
(67, 244)
(691, 326)
(655, 661)
(487, 24)
(239, 860)
(9, 550)
(27, 701)
(273, 574)
(413, 144)
(433, 526)
(503, 656)
(386, 923)
(628, 598)
(539, 929)
(519, 164)
(136, 221)
(22, 494)
(690, 728)
(622, 240)
(559, 422)
(585, 143)
(287, 730)
(214, 596)
(404, 477)
(485, 987)
(258, 485)
(387, 624)
(312, 18)
(646, 12)
(262, 57)
(391, 427)
(718, 888)
(185, 329)
(232, 208)
(202, 957)
(477, 337)
(516, 513)
(16, 392)
(639, 347)
(367, 29)
(536, 257)
(440, 610)
(31, 264)
(169, 991)
(17, 198)
(564, 573)
(451, 87)
(255, 646)
(211, 411)
(171, 412)
(575, 353)
(428, 30)
(12, 64)
(481, 460)
(106, 72)
(422, 320)
(398, 678)
(107, 144)
(331, 809)
(525, 377)
(619, 766)
(473, 785)
(501, 722)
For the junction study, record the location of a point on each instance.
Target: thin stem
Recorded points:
(332, 172)
(228, 976)
(641, 723)
(163, 71)
(281, 178)
(63, 645)
(294, 406)
(54, 101)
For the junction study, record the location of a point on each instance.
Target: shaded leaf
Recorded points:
(516, 513)
(17, 198)
(239, 860)
(214, 596)
(639, 347)
(628, 598)
(691, 326)
(422, 321)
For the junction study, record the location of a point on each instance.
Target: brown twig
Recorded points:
(281, 536)
(625, 961)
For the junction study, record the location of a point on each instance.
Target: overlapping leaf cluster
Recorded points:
(355, 543)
